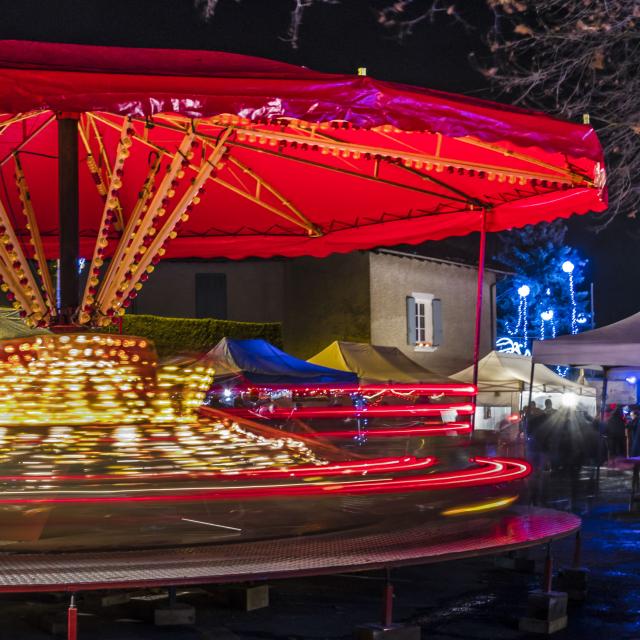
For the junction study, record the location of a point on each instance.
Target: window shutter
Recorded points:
(411, 321)
(436, 315)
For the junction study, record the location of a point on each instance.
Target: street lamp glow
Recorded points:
(567, 266)
(524, 291)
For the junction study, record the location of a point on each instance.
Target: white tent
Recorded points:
(613, 346)
(503, 381)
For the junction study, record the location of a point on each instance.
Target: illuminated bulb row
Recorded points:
(142, 237)
(109, 217)
(344, 149)
(17, 280)
(46, 287)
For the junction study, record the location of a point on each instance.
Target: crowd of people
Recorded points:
(567, 438)
(622, 432)
(561, 439)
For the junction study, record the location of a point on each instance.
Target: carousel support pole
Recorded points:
(386, 629)
(574, 579)
(72, 619)
(478, 327)
(527, 409)
(387, 603)
(546, 609)
(603, 404)
(68, 204)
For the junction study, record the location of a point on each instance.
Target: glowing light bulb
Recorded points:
(524, 291)
(547, 315)
(567, 266)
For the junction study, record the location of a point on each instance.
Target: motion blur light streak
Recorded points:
(491, 471)
(211, 524)
(76, 379)
(350, 412)
(100, 446)
(426, 389)
(407, 463)
(482, 506)
(400, 432)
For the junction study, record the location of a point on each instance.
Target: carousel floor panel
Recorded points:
(390, 543)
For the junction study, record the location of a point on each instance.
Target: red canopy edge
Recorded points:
(144, 82)
(241, 246)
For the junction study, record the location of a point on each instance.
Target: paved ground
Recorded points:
(466, 599)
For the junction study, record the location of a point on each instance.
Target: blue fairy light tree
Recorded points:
(547, 294)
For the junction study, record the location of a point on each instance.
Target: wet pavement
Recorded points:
(450, 601)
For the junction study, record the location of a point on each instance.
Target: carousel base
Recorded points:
(390, 543)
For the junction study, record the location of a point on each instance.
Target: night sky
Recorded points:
(335, 38)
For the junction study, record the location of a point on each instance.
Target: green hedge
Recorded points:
(176, 335)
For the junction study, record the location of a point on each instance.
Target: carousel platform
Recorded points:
(390, 543)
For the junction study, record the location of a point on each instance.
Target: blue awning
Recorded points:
(258, 361)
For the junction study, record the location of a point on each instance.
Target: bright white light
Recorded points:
(524, 291)
(581, 319)
(547, 315)
(569, 400)
(631, 379)
(567, 266)
(227, 393)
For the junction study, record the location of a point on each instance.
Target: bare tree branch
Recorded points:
(577, 58)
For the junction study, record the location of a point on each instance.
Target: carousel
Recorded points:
(112, 160)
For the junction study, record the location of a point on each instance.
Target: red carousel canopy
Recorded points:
(311, 163)
(206, 154)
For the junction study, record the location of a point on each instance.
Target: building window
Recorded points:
(424, 321)
(211, 295)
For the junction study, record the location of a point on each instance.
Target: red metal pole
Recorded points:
(72, 620)
(387, 602)
(479, 289)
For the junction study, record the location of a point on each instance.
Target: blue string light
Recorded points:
(568, 267)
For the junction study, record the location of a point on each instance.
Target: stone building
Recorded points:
(425, 306)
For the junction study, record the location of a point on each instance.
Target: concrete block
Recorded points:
(54, 624)
(516, 561)
(242, 597)
(546, 612)
(180, 614)
(373, 631)
(111, 599)
(546, 627)
(574, 581)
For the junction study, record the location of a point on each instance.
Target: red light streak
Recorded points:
(492, 471)
(401, 432)
(352, 412)
(425, 389)
(374, 465)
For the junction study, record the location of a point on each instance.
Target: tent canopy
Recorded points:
(615, 345)
(12, 327)
(258, 361)
(510, 372)
(302, 163)
(373, 363)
